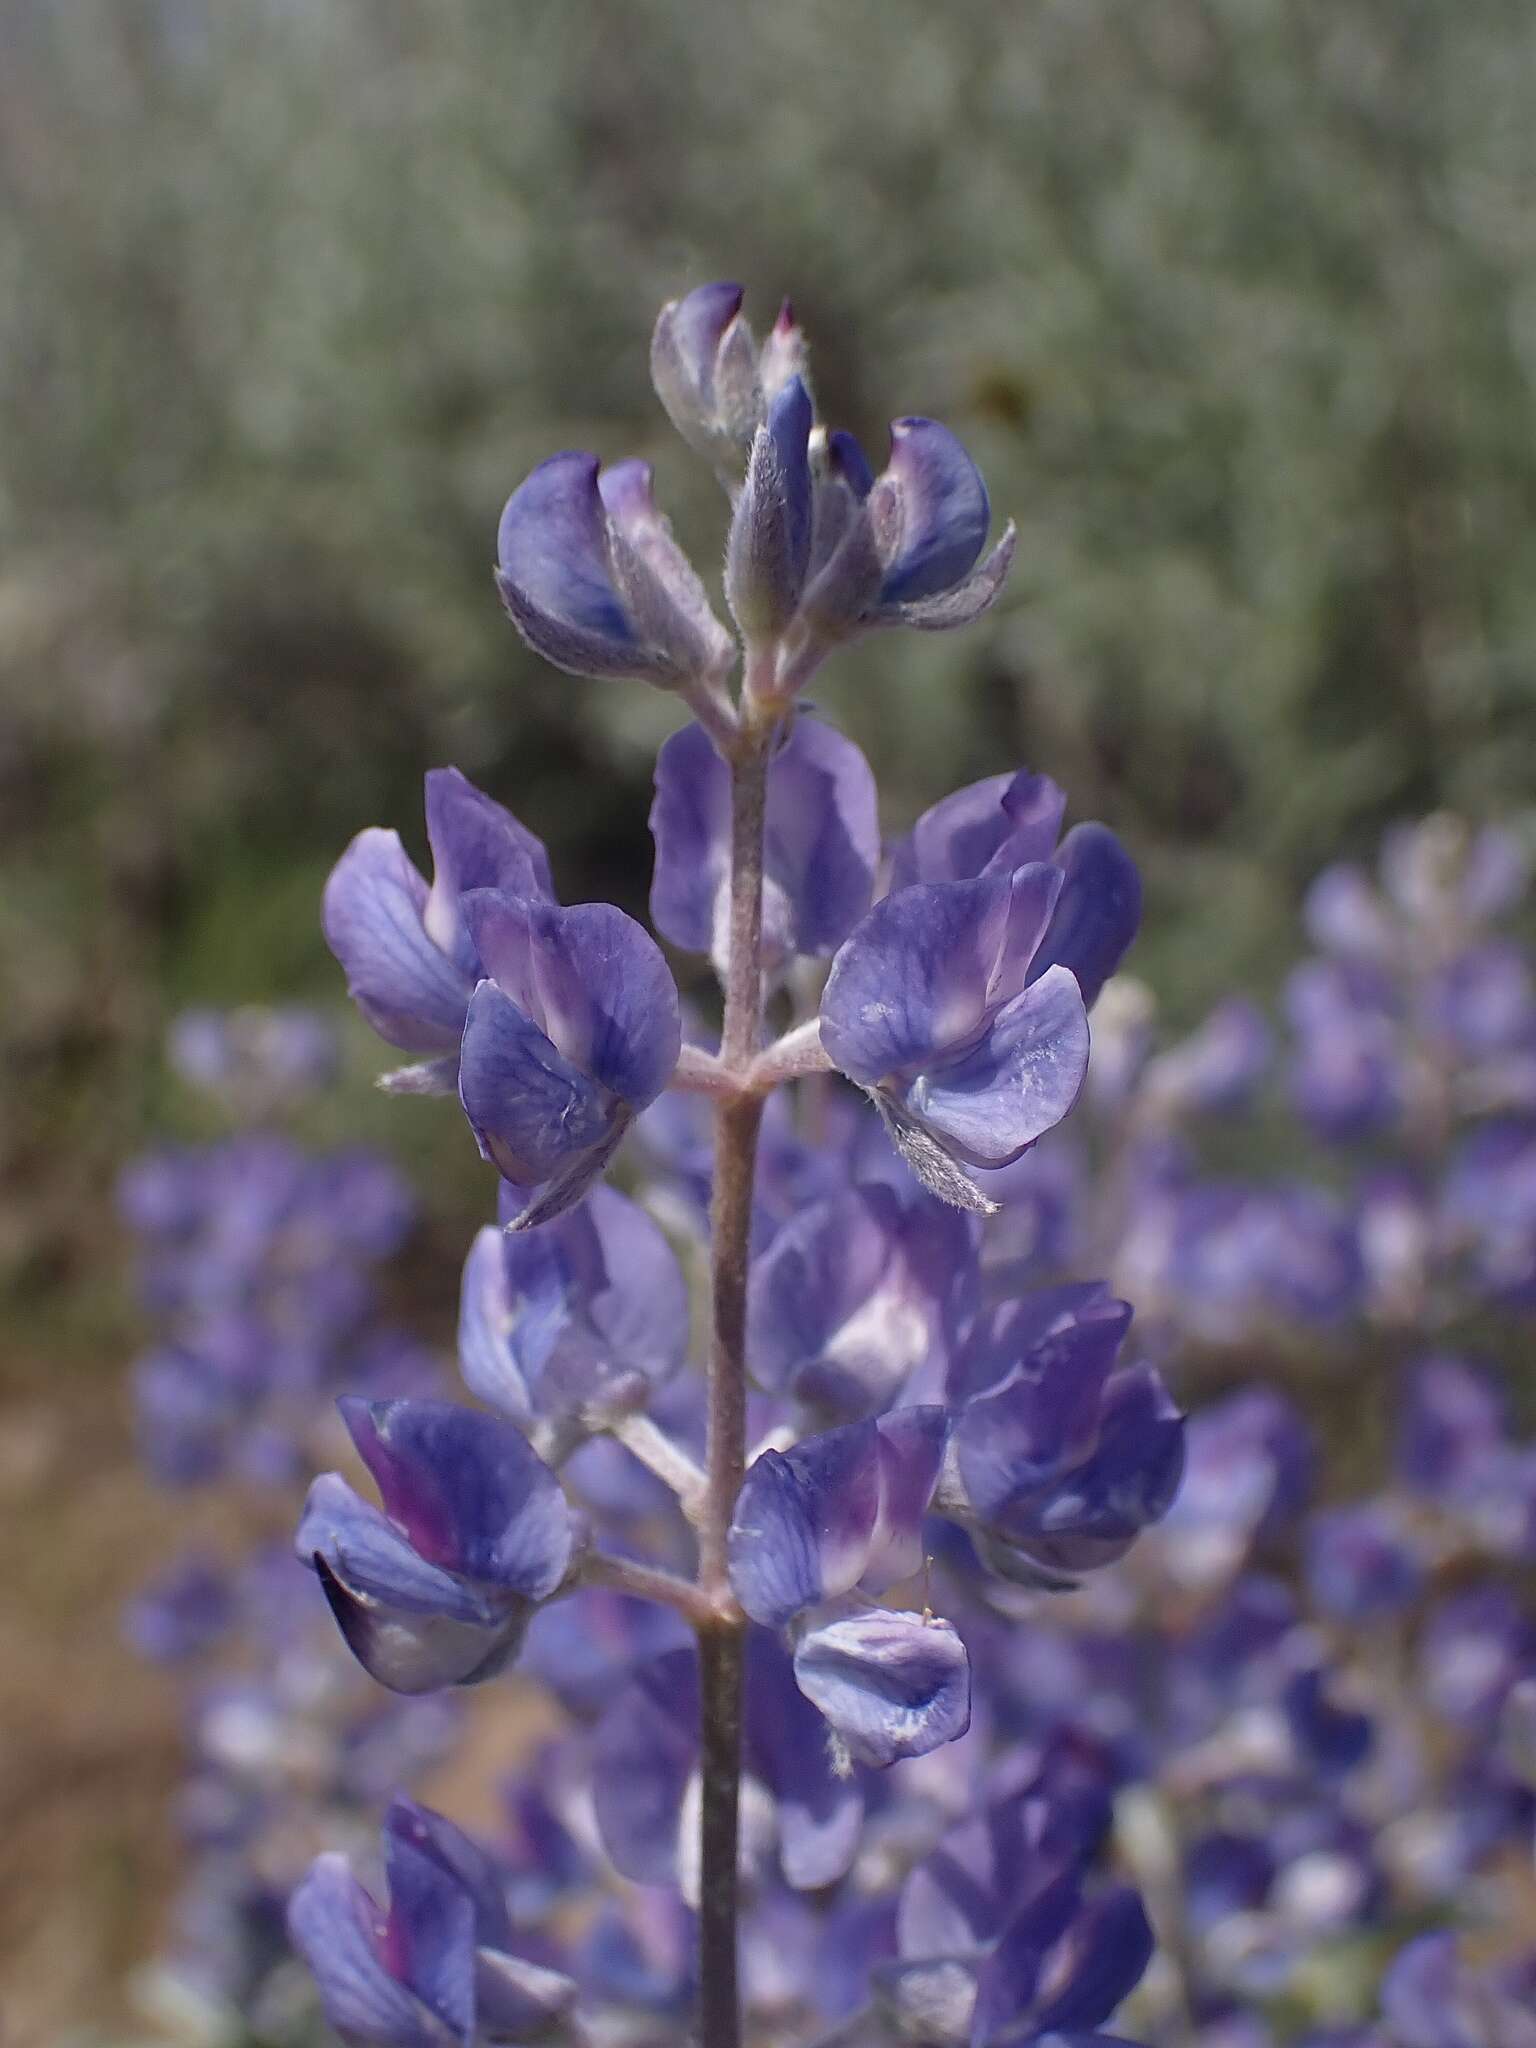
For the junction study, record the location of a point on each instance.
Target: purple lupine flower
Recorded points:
(1431, 1998)
(821, 843)
(998, 1942)
(841, 1515)
(1362, 1562)
(1489, 1207)
(1347, 1075)
(1248, 1471)
(645, 1772)
(988, 828)
(839, 1511)
(705, 366)
(437, 1964)
(1004, 823)
(475, 1534)
(934, 1007)
(594, 582)
(854, 1295)
(907, 541)
(411, 964)
(768, 550)
(589, 1311)
(575, 1030)
(1057, 1461)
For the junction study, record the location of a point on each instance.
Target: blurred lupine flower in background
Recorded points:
(919, 1655)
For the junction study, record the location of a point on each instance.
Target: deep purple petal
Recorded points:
(469, 1491)
(834, 1317)
(1098, 912)
(803, 1523)
(376, 1562)
(592, 1305)
(430, 1941)
(1017, 1084)
(532, 1111)
(1091, 1515)
(591, 979)
(1072, 1331)
(942, 513)
(1075, 1980)
(769, 548)
(372, 912)
(339, 1931)
(409, 1827)
(891, 1685)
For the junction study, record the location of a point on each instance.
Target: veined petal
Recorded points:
(891, 1685)
(468, 1489)
(914, 977)
(992, 826)
(339, 1930)
(367, 1554)
(1018, 1083)
(803, 1523)
(372, 912)
(592, 980)
(430, 1941)
(532, 1111)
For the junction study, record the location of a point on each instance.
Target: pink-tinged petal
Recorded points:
(339, 1930)
(468, 1490)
